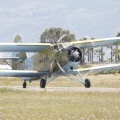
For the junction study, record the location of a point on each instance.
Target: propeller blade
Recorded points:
(51, 67)
(60, 67)
(59, 40)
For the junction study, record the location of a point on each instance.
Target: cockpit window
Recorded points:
(56, 47)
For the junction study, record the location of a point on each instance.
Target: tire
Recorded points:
(42, 83)
(87, 83)
(24, 85)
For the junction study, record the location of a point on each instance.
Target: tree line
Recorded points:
(52, 35)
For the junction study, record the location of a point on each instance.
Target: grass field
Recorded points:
(43, 105)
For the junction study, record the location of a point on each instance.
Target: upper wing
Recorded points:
(20, 73)
(23, 47)
(98, 68)
(35, 47)
(96, 42)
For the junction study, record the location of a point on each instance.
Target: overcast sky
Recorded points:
(84, 18)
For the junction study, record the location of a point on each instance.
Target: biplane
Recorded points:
(50, 61)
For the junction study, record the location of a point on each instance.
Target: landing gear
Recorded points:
(24, 84)
(87, 83)
(42, 83)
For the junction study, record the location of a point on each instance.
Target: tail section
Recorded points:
(18, 64)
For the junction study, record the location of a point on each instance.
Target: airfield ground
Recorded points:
(61, 105)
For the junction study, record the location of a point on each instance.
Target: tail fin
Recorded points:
(18, 65)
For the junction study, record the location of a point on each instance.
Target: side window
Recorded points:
(42, 60)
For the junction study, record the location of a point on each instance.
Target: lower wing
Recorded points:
(21, 73)
(98, 68)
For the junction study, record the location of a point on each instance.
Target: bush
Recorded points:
(109, 72)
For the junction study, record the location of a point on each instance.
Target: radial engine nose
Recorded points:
(74, 54)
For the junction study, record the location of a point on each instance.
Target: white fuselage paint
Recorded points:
(29, 64)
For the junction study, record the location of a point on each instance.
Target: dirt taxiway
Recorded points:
(62, 89)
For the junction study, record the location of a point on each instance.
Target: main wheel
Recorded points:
(24, 85)
(87, 83)
(42, 83)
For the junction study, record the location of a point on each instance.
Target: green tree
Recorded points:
(102, 55)
(114, 53)
(117, 50)
(92, 49)
(52, 35)
(87, 52)
(118, 35)
(111, 53)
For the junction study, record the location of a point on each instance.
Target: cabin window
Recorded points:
(60, 46)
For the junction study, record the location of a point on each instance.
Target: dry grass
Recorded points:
(109, 81)
(32, 105)
(26, 105)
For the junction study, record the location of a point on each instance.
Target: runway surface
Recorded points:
(63, 89)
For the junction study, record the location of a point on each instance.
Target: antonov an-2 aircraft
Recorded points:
(51, 60)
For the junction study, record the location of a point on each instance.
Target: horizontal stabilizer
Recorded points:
(20, 73)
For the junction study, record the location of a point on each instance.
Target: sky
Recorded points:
(84, 18)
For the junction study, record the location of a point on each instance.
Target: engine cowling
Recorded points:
(74, 54)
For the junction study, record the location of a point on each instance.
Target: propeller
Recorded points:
(74, 54)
